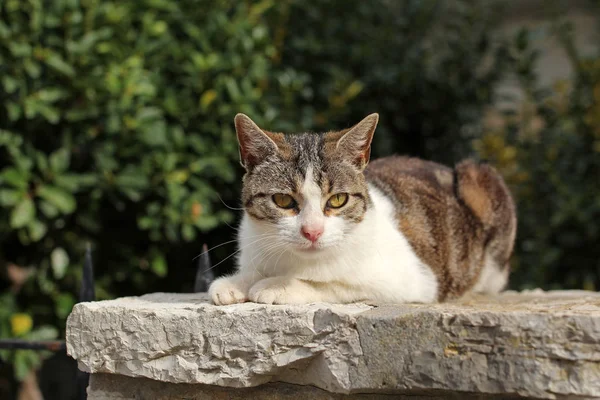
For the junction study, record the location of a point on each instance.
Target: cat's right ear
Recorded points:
(355, 145)
(255, 144)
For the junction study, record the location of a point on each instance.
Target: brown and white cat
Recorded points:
(321, 226)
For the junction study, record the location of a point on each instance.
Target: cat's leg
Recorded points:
(283, 290)
(288, 290)
(231, 289)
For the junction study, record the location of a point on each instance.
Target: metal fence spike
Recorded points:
(88, 292)
(204, 273)
(21, 344)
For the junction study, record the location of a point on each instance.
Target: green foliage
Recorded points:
(19, 325)
(99, 112)
(549, 151)
(427, 67)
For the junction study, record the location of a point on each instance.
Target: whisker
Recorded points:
(231, 208)
(212, 248)
(268, 250)
(237, 251)
(278, 258)
(282, 245)
(232, 241)
(232, 227)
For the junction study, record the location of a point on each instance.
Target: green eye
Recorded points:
(337, 200)
(284, 200)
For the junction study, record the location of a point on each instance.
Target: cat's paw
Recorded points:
(225, 291)
(279, 291)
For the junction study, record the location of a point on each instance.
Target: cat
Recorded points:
(319, 225)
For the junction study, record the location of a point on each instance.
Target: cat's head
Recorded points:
(307, 190)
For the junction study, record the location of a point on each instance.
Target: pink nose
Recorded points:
(312, 234)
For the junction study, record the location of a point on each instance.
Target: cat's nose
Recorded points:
(312, 233)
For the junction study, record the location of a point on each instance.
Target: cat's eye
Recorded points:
(337, 200)
(284, 200)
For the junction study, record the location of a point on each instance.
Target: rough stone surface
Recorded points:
(537, 345)
(184, 339)
(542, 346)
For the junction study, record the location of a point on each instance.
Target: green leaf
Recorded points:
(41, 161)
(149, 114)
(132, 177)
(232, 88)
(59, 260)
(51, 95)
(146, 222)
(132, 194)
(60, 160)
(14, 177)
(207, 98)
(22, 214)
(32, 68)
(14, 111)
(155, 133)
(57, 63)
(73, 182)
(10, 197)
(188, 232)
(64, 304)
(178, 176)
(61, 199)
(51, 114)
(10, 84)
(48, 209)
(24, 362)
(44, 332)
(159, 265)
(68, 182)
(37, 230)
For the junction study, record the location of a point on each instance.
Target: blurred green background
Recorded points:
(116, 129)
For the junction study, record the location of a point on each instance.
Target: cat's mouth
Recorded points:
(310, 249)
(313, 248)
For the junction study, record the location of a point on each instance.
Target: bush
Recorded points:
(548, 149)
(427, 67)
(115, 128)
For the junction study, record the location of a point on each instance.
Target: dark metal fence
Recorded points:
(204, 276)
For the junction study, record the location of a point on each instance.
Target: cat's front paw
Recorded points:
(279, 291)
(225, 291)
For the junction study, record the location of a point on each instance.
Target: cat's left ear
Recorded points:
(255, 144)
(356, 143)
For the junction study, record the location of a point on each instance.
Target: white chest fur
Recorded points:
(373, 262)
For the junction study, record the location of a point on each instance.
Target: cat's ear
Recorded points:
(255, 144)
(355, 145)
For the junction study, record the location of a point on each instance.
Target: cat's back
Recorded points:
(422, 196)
(452, 218)
(396, 174)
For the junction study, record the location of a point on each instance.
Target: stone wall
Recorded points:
(167, 346)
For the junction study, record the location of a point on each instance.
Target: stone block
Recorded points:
(514, 345)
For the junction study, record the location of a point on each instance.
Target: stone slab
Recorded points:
(119, 387)
(181, 338)
(536, 344)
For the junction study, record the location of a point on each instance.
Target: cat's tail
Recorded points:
(481, 188)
